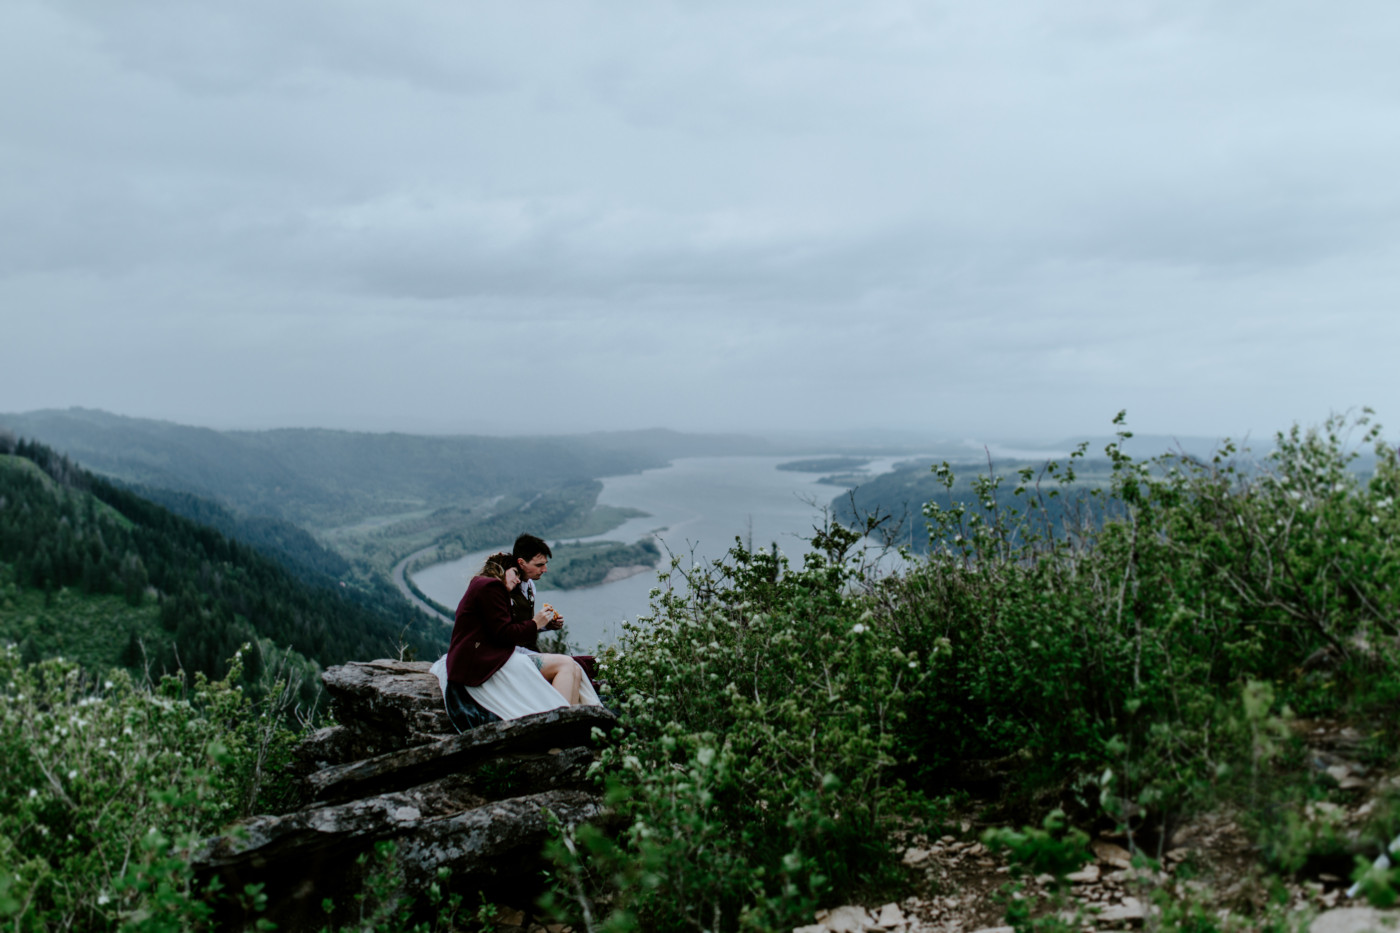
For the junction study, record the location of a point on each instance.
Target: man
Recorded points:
(532, 560)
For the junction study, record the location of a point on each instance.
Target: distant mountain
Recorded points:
(322, 478)
(668, 445)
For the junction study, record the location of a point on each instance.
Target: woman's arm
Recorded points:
(493, 605)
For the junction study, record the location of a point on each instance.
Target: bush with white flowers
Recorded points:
(107, 785)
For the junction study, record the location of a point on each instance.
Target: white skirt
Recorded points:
(519, 689)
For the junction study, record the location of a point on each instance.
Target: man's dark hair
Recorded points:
(527, 547)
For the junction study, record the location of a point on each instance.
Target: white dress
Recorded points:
(518, 688)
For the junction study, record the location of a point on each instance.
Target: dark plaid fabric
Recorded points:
(466, 714)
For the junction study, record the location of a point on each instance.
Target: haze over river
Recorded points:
(696, 507)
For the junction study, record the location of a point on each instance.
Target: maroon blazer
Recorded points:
(484, 636)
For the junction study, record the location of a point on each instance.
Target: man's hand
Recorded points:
(548, 618)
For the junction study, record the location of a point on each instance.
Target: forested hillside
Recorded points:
(323, 479)
(292, 546)
(338, 506)
(191, 595)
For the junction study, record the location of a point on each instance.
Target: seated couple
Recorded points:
(491, 670)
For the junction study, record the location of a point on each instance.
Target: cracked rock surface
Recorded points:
(479, 804)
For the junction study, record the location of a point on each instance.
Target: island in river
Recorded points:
(590, 563)
(824, 465)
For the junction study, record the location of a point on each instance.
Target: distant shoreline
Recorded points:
(622, 573)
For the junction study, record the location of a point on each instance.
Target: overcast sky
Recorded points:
(999, 219)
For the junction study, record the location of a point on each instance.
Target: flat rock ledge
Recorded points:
(542, 733)
(381, 706)
(480, 804)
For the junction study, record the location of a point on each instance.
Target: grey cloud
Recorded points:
(1020, 212)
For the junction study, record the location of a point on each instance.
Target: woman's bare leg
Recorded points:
(563, 674)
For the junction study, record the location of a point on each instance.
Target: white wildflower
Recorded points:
(857, 629)
(33, 793)
(72, 775)
(103, 900)
(107, 685)
(126, 731)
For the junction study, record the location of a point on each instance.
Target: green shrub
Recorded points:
(762, 705)
(108, 786)
(1137, 646)
(1123, 636)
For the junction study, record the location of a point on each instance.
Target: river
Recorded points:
(696, 506)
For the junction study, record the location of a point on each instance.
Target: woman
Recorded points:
(484, 658)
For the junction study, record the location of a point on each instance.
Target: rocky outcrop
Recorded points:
(479, 804)
(542, 733)
(397, 700)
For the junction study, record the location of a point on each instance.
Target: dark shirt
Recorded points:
(522, 609)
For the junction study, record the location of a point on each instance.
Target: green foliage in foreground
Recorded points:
(764, 710)
(1138, 657)
(1134, 662)
(108, 786)
(1126, 644)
